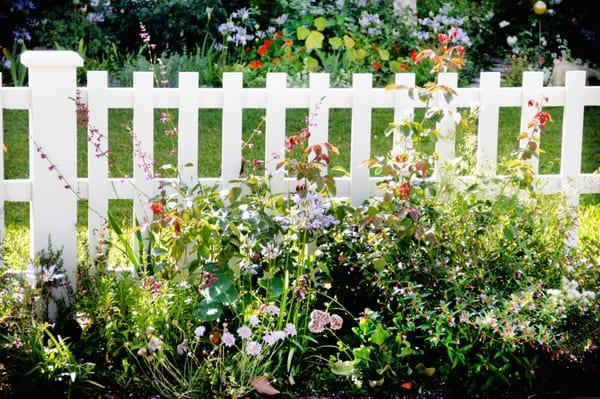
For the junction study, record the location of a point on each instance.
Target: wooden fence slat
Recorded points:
(187, 127)
(360, 149)
(572, 135)
(532, 90)
(97, 157)
(489, 113)
(275, 128)
(231, 156)
(143, 141)
(445, 146)
(404, 106)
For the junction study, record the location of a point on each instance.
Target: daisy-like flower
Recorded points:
(228, 339)
(244, 332)
(199, 331)
(253, 348)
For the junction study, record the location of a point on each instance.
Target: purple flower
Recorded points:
(155, 344)
(228, 339)
(253, 348)
(254, 320)
(181, 349)
(199, 331)
(244, 332)
(308, 213)
(290, 330)
(272, 309)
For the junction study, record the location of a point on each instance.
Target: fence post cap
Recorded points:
(51, 58)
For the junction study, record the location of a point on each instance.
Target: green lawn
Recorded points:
(16, 159)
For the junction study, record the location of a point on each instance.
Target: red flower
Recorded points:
(404, 190)
(157, 207)
(288, 42)
(544, 118)
(277, 35)
(377, 66)
(262, 50)
(267, 43)
(404, 67)
(413, 54)
(214, 338)
(460, 50)
(255, 64)
(530, 103)
(291, 142)
(443, 39)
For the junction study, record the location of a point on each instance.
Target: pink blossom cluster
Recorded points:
(320, 319)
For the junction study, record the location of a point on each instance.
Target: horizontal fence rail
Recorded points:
(52, 125)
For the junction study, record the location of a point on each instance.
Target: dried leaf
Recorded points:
(263, 386)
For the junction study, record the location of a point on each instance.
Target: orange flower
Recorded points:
(404, 190)
(413, 54)
(288, 42)
(404, 67)
(275, 61)
(288, 57)
(262, 50)
(277, 35)
(377, 66)
(255, 64)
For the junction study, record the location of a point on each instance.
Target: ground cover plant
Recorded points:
(433, 288)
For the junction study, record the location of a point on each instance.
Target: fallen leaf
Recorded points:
(263, 386)
(408, 385)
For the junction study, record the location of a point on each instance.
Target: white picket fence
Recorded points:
(52, 124)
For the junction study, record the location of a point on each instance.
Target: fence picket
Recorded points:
(187, 127)
(318, 107)
(53, 153)
(532, 90)
(143, 140)
(275, 128)
(489, 113)
(360, 148)
(404, 106)
(231, 155)
(445, 146)
(1, 170)
(97, 158)
(572, 135)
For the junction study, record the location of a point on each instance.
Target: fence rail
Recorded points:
(52, 124)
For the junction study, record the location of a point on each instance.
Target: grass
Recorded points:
(209, 150)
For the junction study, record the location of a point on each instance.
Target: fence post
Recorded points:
(360, 137)
(53, 129)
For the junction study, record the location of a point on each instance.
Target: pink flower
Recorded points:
(315, 327)
(336, 322)
(320, 317)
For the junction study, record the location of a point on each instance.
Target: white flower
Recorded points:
(503, 24)
(254, 320)
(228, 339)
(253, 348)
(511, 40)
(290, 330)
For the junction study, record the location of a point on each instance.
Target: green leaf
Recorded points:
(314, 40)
(273, 286)
(320, 23)
(427, 371)
(345, 368)
(302, 32)
(349, 42)
(384, 54)
(395, 66)
(380, 335)
(208, 311)
(310, 63)
(336, 43)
